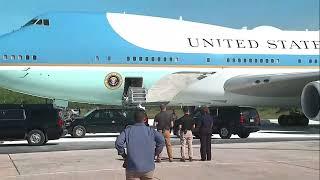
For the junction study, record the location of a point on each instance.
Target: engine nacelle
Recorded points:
(310, 100)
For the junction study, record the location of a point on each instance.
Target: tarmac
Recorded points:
(292, 160)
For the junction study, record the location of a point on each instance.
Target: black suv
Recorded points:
(230, 120)
(35, 123)
(110, 120)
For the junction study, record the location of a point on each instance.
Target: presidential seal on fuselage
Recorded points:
(113, 80)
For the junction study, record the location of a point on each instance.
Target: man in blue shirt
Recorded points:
(143, 144)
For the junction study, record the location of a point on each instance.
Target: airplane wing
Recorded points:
(270, 85)
(169, 86)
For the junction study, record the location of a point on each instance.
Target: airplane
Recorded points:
(127, 59)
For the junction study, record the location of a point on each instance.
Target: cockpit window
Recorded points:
(32, 21)
(39, 22)
(46, 22)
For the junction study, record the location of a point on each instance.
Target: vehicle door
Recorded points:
(117, 119)
(12, 123)
(98, 122)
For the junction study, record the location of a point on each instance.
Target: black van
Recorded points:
(35, 123)
(231, 120)
(103, 120)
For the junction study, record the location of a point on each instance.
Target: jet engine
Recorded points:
(310, 100)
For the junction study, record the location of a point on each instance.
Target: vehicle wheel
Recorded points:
(225, 133)
(78, 131)
(244, 134)
(283, 120)
(65, 132)
(36, 138)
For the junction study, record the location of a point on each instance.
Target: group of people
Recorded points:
(144, 144)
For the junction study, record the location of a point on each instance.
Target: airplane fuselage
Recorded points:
(88, 58)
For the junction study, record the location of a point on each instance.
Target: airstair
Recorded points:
(136, 96)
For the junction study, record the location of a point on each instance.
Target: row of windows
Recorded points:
(19, 57)
(164, 59)
(244, 60)
(310, 61)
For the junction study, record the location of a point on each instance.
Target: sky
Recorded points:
(283, 14)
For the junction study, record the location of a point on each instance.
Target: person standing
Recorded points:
(163, 122)
(205, 129)
(174, 118)
(139, 141)
(186, 137)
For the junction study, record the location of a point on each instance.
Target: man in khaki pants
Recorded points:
(186, 137)
(163, 122)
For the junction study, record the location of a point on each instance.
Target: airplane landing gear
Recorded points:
(293, 119)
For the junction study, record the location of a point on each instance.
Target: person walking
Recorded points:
(205, 129)
(163, 121)
(186, 126)
(143, 144)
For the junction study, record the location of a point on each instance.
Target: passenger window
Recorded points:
(147, 59)
(228, 60)
(233, 60)
(310, 60)
(97, 115)
(152, 59)
(267, 60)
(250, 60)
(164, 59)
(20, 57)
(315, 61)
(115, 114)
(140, 58)
(171, 59)
(15, 114)
(46, 22)
(272, 60)
(208, 59)
(261, 60)
(39, 22)
(13, 57)
(299, 60)
(109, 58)
(128, 58)
(244, 60)
(5, 57)
(34, 57)
(239, 60)
(27, 57)
(159, 59)
(134, 58)
(256, 60)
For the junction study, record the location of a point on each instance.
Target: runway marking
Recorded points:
(282, 162)
(14, 164)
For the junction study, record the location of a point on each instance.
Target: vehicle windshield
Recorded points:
(32, 21)
(89, 112)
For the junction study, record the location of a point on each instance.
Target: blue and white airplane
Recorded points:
(115, 59)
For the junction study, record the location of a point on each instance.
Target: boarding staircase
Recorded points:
(136, 96)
